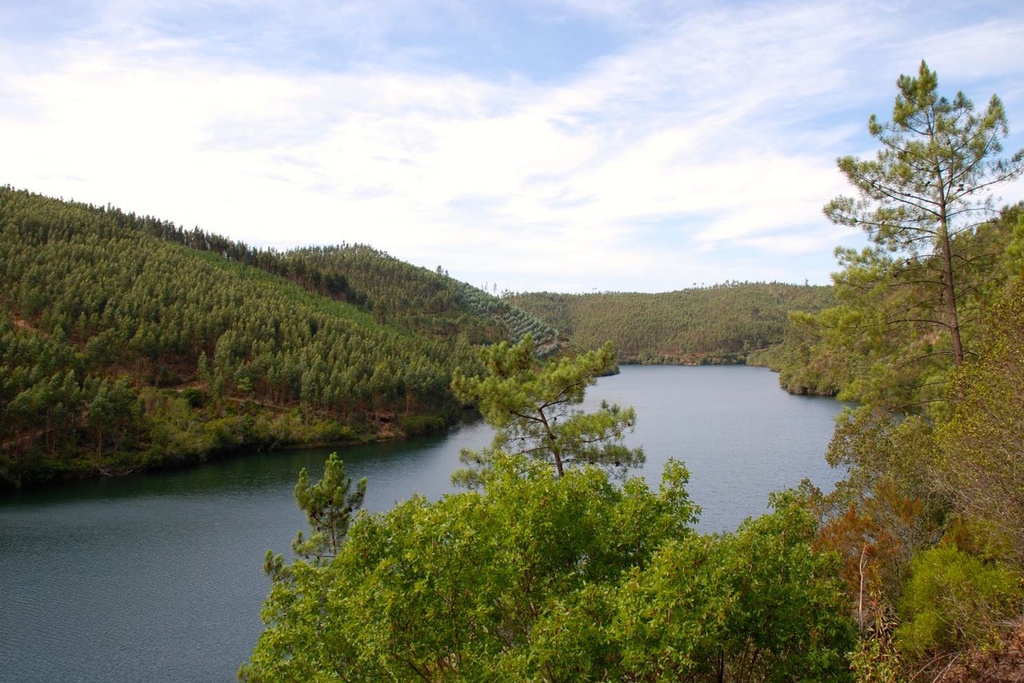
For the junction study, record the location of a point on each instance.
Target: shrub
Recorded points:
(954, 600)
(419, 425)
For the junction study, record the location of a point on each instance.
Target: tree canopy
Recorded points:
(930, 181)
(533, 407)
(126, 343)
(572, 578)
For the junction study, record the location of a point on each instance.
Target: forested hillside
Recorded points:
(395, 291)
(127, 343)
(418, 298)
(719, 324)
(929, 518)
(885, 338)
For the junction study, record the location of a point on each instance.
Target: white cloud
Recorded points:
(707, 138)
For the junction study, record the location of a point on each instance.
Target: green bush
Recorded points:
(574, 578)
(419, 425)
(195, 398)
(954, 600)
(331, 432)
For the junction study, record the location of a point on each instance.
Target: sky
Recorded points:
(521, 145)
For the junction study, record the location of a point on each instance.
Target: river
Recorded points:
(158, 577)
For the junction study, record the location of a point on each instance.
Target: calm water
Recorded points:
(159, 577)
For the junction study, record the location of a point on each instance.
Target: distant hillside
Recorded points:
(127, 343)
(394, 291)
(719, 324)
(427, 301)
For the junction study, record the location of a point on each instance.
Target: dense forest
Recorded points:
(719, 324)
(127, 343)
(395, 291)
(426, 301)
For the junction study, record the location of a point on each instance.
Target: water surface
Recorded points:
(158, 577)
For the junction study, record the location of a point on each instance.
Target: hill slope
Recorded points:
(719, 324)
(126, 343)
(395, 291)
(423, 300)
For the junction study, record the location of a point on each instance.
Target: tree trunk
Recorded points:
(950, 292)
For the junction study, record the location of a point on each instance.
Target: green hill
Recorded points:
(719, 324)
(423, 300)
(394, 291)
(128, 343)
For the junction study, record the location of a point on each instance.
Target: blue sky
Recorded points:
(560, 145)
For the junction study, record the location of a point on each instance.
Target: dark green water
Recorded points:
(159, 577)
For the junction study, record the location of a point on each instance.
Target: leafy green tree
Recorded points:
(929, 183)
(548, 578)
(532, 406)
(757, 605)
(452, 590)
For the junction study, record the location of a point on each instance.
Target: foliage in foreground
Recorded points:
(546, 569)
(953, 598)
(536, 577)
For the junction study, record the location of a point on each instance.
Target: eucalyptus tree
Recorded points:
(929, 183)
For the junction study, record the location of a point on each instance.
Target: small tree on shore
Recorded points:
(533, 408)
